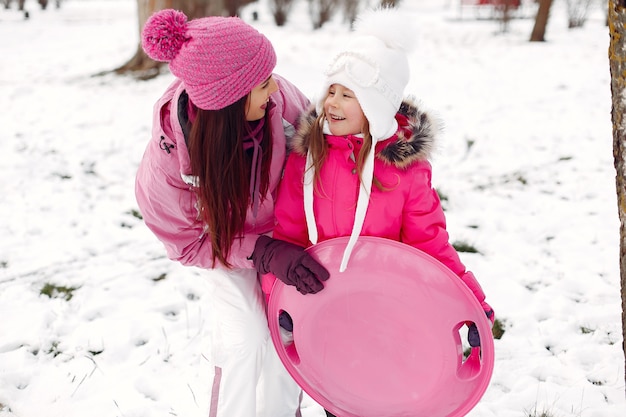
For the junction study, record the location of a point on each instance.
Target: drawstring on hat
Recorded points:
(252, 141)
(365, 188)
(309, 176)
(361, 207)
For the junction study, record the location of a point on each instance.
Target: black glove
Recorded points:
(472, 332)
(472, 335)
(289, 263)
(285, 321)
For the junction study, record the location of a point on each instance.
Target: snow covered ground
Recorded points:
(526, 165)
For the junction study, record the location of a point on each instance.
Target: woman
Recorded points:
(206, 187)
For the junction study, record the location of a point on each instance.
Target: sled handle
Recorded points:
(288, 345)
(471, 366)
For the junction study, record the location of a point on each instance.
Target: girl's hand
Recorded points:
(290, 264)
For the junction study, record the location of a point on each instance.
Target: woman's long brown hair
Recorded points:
(223, 168)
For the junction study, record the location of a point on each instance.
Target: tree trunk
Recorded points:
(321, 11)
(617, 62)
(541, 21)
(140, 65)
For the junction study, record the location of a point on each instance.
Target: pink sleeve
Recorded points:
(290, 219)
(168, 209)
(424, 223)
(472, 283)
(424, 227)
(295, 101)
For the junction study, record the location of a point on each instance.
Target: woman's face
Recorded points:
(257, 101)
(343, 111)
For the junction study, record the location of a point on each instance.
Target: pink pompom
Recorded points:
(164, 34)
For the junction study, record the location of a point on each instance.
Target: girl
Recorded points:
(205, 187)
(360, 159)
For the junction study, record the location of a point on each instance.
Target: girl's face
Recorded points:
(343, 111)
(257, 101)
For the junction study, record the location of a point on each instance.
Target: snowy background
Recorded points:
(94, 320)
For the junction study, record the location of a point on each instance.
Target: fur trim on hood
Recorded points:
(399, 150)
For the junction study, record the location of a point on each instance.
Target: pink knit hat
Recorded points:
(219, 59)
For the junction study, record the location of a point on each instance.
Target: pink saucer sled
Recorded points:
(382, 338)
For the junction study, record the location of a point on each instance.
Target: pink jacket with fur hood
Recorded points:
(164, 190)
(407, 210)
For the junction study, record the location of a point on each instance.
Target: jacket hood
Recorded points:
(414, 141)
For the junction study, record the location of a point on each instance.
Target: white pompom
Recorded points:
(389, 25)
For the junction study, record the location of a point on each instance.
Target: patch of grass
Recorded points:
(4, 264)
(467, 352)
(58, 291)
(535, 413)
(89, 168)
(462, 246)
(521, 178)
(515, 177)
(586, 330)
(135, 213)
(160, 277)
(54, 349)
(612, 340)
(540, 414)
(498, 329)
(443, 198)
(62, 176)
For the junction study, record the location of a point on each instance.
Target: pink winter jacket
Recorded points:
(163, 186)
(408, 210)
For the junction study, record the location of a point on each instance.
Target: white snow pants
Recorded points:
(249, 379)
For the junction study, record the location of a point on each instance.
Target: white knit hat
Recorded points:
(374, 65)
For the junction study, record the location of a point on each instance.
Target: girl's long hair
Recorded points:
(223, 168)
